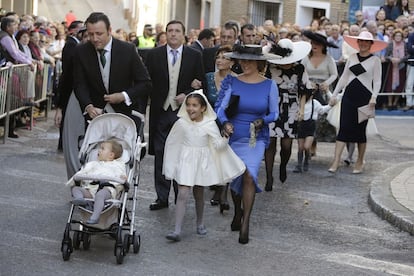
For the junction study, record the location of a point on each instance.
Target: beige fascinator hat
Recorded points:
(376, 46)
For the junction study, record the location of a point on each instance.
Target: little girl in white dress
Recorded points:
(196, 155)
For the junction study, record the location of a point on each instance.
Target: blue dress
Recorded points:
(257, 101)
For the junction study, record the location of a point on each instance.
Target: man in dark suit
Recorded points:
(65, 86)
(205, 40)
(109, 74)
(175, 71)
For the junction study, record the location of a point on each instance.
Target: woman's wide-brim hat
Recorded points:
(249, 52)
(289, 51)
(377, 45)
(319, 38)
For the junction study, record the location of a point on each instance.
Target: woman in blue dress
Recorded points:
(245, 107)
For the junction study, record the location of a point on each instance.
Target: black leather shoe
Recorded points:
(158, 204)
(13, 135)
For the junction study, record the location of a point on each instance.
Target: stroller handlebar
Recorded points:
(139, 115)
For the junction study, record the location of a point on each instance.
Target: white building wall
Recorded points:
(304, 11)
(215, 13)
(147, 13)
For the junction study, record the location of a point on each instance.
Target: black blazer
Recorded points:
(65, 85)
(209, 59)
(196, 46)
(127, 73)
(157, 65)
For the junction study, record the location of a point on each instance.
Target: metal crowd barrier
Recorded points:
(388, 70)
(395, 93)
(4, 77)
(21, 89)
(386, 66)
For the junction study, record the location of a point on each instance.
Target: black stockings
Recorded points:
(285, 153)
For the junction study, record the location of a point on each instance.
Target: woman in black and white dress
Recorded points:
(362, 82)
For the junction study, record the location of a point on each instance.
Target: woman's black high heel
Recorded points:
(244, 235)
(215, 200)
(244, 238)
(282, 173)
(224, 206)
(269, 184)
(236, 223)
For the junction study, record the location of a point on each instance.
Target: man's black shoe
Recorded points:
(13, 135)
(158, 204)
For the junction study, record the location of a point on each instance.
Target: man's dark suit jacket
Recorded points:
(157, 65)
(196, 46)
(66, 79)
(209, 59)
(127, 73)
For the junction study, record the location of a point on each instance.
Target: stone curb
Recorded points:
(383, 203)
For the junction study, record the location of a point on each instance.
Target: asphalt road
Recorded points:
(314, 224)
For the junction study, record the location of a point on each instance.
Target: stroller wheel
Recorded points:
(76, 239)
(119, 253)
(65, 252)
(127, 243)
(86, 238)
(136, 242)
(66, 246)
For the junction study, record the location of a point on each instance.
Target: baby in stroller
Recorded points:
(108, 166)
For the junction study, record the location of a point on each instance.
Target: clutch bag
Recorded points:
(364, 113)
(233, 106)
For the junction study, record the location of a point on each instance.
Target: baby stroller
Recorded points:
(118, 217)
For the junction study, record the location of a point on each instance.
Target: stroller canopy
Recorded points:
(110, 126)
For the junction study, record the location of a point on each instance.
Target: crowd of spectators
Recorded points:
(393, 23)
(42, 41)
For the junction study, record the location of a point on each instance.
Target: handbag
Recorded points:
(365, 112)
(233, 106)
(334, 114)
